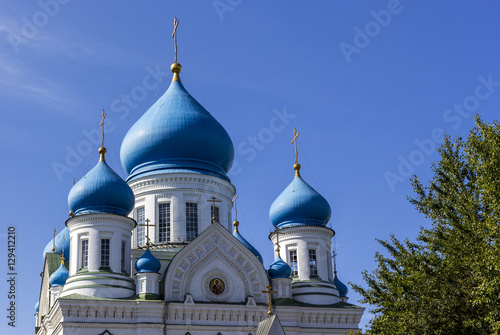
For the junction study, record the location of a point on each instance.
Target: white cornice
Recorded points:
(166, 183)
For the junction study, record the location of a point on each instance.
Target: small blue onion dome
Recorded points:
(147, 263)
(279, 269)
(341, 287)
(62, 236)
(247, 244)
(36, 307)
(59, 277)
(101, 190)
(177, 134)
(299, 205)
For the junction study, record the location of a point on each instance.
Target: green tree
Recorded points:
(448, 280)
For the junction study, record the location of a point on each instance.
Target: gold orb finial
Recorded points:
(71, 214)
(102, 152)
(176, 68)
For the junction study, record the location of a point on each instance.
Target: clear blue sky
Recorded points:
(369, 86)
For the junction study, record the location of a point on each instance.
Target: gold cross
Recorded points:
(270, 304)
(213, 201)
(174, 36)
(334, 254)
(102, 126)
(235, 209)
(277, 232)
(294, 141)
(54, 242)
(235, 223)
(147, 225)
(62, 255)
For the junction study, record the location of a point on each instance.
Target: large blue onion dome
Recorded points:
(59, 277)
(147, 263)
(60, 243)
(101, 190)
(341, 287)
(176, 134)
(37, 305)
(299, 205)
(247, 244)
(279, 269)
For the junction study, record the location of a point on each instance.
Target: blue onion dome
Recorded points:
(299, 205)
(61, 242)
(341, 287)
(279, 269)
(247, 244)
(37, 305)
(147, 263)
(59, 277)
(176, 134)
(101, 190)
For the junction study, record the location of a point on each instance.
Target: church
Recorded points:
(161, 252)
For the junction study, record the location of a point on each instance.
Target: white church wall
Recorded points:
(93, 227)
(179, 188)
(302, 239)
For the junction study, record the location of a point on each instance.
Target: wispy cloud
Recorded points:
(24, 74)
(19, 80)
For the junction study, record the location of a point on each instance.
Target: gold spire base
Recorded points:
(296, 167)
(102, 152)
(236, 224)
(176, 68)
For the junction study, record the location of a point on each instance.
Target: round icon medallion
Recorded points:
(216, 286)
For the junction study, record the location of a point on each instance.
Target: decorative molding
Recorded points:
(100, 220)
(164, 196)
(216, 242)
(192, 195)
(178, 181)
(189, 300)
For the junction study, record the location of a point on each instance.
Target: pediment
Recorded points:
(270, 326)
(51, 263)
(215, 267)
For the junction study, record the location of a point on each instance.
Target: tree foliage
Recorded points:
(448, 281)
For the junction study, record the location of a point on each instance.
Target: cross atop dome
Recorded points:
(101, 190)
(147, 225)
(235, 222)
(177, 134)
(296, 166)
(213, 200)
(176, 68)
